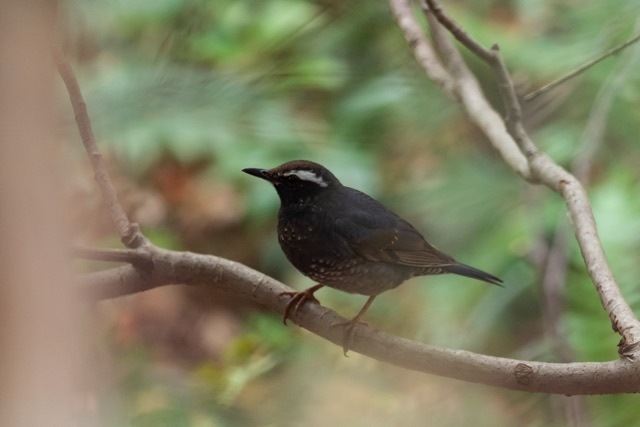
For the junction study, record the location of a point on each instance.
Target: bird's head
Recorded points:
(297, 180)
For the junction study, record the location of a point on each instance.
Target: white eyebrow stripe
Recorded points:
(307, 176)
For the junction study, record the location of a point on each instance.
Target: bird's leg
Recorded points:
(297, 299)
(351, 324)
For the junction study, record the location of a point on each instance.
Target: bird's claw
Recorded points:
(349, 328)
(297, 299)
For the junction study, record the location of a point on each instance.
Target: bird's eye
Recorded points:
(293, 178)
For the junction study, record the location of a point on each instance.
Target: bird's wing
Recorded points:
(388, 238)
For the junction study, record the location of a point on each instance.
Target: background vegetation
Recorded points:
(184, 94)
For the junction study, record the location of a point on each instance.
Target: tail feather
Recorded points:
(474, 273)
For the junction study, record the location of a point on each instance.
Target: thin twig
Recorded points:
(129, 232)
(580, 69)
(458, 32)
(132, 256)
(553, 280)
(593, 134)
(118, 282)
(417, 41)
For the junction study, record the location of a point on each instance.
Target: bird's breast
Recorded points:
(311, 244)
(305, 235)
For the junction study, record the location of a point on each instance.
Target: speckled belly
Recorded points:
(337, 267)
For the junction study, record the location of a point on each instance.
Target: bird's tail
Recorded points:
(474, 273)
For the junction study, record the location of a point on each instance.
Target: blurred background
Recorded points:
(184, 94)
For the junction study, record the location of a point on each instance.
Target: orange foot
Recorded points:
(351, 324)
(297, 299)
(349, 327)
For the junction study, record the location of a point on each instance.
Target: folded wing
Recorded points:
(394, 241)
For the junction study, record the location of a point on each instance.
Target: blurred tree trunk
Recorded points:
(38, 323)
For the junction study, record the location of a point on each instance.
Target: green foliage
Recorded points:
(253, 84)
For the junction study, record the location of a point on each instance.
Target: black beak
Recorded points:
(260, 173)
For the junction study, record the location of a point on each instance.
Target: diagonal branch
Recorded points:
(544, 170)
(423, 51)
(129, 232)
(581, 69)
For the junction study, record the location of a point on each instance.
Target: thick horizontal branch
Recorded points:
(169, 267)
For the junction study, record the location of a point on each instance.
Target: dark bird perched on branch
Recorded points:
(344, 239)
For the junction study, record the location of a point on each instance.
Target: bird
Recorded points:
(344, 239)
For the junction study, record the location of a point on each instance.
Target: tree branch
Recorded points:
(423, 51)
(544, 170)
(130, 234)
(132, 256)
(581, 69)
(171, 267)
